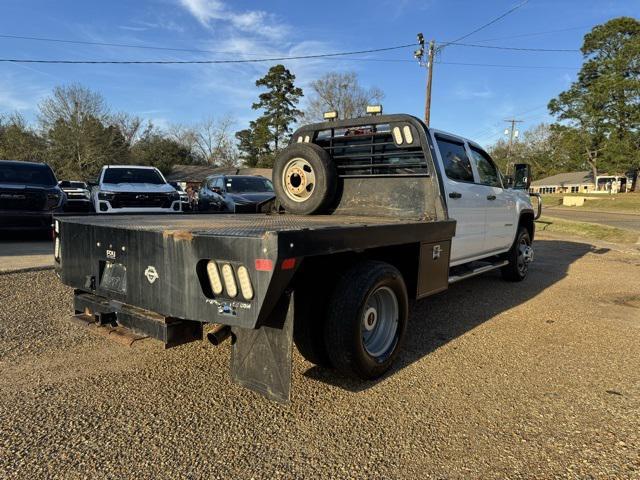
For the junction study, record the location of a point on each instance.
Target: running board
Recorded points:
(477, 271)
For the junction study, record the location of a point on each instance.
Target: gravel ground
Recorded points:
(535, 380)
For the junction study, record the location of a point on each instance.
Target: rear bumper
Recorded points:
(25, 220)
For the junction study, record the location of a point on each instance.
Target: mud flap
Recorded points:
(261, 358)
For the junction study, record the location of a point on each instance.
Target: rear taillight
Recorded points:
(225, 278)
(214, 277)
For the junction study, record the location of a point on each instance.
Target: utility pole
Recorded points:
(419, 55)
(513, 133)
(427, 105)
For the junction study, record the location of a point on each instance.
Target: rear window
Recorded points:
(26, 174)
(454, 157)
(132, 175)
(370, 150)
(248, 185)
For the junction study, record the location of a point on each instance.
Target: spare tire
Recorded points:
(305, 178)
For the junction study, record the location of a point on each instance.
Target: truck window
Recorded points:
(456, 163)
(487, 171)
(132, 175)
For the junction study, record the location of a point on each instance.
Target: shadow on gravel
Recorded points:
(441, 318)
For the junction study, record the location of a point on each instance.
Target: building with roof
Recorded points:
(570, 182)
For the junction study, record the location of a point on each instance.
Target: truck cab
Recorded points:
(487, 211)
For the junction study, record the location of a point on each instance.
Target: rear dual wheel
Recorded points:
(364, 325)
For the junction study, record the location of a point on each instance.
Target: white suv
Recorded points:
(134, 189)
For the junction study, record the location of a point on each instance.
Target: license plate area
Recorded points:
(113, 277)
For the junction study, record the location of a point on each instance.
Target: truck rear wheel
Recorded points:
(520, 256)
(366, 320)
(304, 178)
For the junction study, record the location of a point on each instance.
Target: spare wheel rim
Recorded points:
(298, 179)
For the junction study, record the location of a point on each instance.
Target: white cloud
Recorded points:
(469, 93)
(259, 22)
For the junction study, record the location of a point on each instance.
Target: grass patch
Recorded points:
(586, 230)
(622, 203)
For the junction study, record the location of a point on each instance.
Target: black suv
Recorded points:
(234, 193)
(29, 196)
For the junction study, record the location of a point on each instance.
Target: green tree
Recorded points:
(254, 144)
(78, 149)
(156, 150)
(19, 142)
(278, 103)
(603, 105)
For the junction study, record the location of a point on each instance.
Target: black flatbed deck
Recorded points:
(309, 234)
(243, 225)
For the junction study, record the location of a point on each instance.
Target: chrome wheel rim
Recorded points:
(298, 179)
(525, 256)
(379, 323)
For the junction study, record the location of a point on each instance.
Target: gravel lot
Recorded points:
(535, 380)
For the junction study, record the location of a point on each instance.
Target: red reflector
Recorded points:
(288, 263)
(264, 264)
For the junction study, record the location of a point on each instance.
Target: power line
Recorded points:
(513, 9)
(520, 49)
(187, 62)
(502, 65)
(534, 34)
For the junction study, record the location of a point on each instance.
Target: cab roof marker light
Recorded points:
(214, 277)
(245, 282)
(408, 136)
(332, 115)
(229, 280)
(397, 135)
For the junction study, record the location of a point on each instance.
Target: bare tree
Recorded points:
(72, 104)
(340, 91)
(211, 141)
(130, 126)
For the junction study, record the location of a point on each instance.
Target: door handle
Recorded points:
(491, 197)
(455, 195)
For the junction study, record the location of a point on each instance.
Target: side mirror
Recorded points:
(508, 181)
(217, 190)
(92, 184)
(521, 176)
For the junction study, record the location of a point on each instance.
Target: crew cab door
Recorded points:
(500, 202)
(466, 200)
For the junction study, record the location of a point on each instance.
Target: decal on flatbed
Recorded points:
(151, 273)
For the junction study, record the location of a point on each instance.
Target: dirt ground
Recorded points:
(533, 380)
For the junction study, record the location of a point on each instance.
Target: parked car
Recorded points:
(134, 189)
(78, 196)
(184, 197)
(29, 195)
(234, 193)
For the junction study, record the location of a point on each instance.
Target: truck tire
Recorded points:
(519, 257)
(366, 320)
(304, 178)
(309, 325)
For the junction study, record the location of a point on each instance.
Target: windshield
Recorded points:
(248, 185)
(26, 174)
(68, 184)
(132, 175)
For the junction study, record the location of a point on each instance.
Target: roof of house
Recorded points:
(569, 178)
(197, 173)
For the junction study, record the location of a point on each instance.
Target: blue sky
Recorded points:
(469, 100)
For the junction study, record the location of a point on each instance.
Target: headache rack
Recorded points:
(382, 146)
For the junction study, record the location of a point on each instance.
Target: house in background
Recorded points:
(580, 182)
(571, 182)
